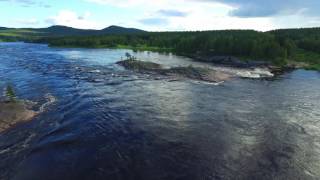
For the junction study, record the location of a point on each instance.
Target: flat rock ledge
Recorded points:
(12, 113)
(189, 72)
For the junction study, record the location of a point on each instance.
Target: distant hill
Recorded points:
(62, 31)
(57, 30)
(69, 31)
(119, 30)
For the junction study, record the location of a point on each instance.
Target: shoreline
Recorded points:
(219, 60)
(14, 112)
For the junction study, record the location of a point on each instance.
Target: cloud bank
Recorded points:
(28, 3)
(154, 21)
(267, 8)
(172, 13)
(241, 8)
(72, 19)
(166, 15)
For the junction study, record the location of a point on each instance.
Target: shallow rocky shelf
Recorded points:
(14, 112)
(189, 72)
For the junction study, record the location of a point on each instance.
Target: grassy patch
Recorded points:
(145, 48)
(307, 56)
(12, 35)
(310, 58)
(315, 67)
(134, 48)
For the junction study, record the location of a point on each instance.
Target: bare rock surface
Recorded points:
(12, 113)
(189, 72)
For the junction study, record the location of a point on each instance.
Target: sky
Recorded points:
(162, 15)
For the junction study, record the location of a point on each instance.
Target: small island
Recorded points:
(189, 72)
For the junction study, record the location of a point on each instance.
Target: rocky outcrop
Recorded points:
(190, 72)
(14, 112)
(198, 73)
(230, 61)
(141, 66)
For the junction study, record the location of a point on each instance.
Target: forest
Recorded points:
(280, 47)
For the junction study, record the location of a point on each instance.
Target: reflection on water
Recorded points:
(109, 123)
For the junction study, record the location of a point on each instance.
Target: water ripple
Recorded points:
(109, 123)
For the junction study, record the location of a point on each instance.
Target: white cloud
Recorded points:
(72, 19)
(201, 15)
(204, 21)
(130, 3)
(28, 3)
(296, 21)
(218, 14)
(271, 8)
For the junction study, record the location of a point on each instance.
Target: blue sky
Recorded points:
(162, 15)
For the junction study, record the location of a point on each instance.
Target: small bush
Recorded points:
(130, 57)
(10, 93)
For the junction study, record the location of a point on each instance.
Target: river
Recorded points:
(111, 123)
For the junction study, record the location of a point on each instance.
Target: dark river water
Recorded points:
(110, 123)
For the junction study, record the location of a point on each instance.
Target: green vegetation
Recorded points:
(31, 34)
(11, 35)
(287, 47)
(10, 93)
(133, 64)
(130, 57)
(303, 43)
(236, 43)
(274, 47)
(143, 48)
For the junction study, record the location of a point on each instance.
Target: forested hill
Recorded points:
(13, 34)
(68, 31)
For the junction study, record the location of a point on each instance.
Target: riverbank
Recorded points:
(283, 49)
(246, 63)
(14, 112)
(306, 60)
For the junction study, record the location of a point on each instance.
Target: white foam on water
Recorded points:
(5, 150)
(50, 100)
(245, 73)
(95, 71)
(210, 83)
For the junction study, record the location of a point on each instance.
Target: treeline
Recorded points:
(278, 46)
(307, 38)
(9, 38)
(12, 38)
